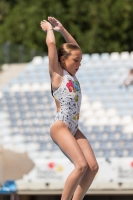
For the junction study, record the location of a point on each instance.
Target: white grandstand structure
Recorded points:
(27, 109)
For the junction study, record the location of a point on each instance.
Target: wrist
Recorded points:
(49, 29)
(62, 29)
(49, 26)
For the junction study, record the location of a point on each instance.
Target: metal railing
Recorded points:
(12, 53)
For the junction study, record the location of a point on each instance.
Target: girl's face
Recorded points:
(72, 63)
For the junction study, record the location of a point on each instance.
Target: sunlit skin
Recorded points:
(76, 147)
(72, 63)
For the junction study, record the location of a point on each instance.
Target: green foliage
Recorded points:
(97, 25)
(4, 10)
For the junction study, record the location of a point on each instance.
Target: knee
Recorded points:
(82, 167)
(94, 168)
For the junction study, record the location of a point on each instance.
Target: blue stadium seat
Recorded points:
(31, 113)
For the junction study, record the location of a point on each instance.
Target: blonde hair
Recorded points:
(66, 49)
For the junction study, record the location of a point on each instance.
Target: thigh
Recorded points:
(86, 149)
(62, 136)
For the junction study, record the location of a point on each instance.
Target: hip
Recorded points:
(70, 121)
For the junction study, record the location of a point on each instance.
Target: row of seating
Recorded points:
(27, 107)
(114, 56)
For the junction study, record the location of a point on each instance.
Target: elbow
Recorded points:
(50, 43)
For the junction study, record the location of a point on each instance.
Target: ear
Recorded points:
(62, 59)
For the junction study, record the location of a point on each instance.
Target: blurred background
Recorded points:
(31, 165)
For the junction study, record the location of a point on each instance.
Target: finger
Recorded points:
(44, 30)
(43, 22)
(54, 19)
(42, 25)
(50, 18)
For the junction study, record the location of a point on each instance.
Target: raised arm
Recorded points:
(57, 26)
(51, 44)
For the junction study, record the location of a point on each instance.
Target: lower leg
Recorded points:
(84, 184)
(72, 182)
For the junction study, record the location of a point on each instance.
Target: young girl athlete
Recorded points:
(63, 65)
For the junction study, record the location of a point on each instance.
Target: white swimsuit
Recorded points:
(69, 96)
